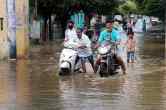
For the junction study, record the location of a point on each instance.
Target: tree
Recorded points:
(128, 7)
(51, 6)
(152, 7)
(63, 8)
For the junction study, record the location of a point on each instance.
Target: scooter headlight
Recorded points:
(65, 65)
(103, 50)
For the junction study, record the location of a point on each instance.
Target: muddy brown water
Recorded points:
(33, 84)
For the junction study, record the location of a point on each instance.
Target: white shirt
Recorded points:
(84, 41)
(70, 34)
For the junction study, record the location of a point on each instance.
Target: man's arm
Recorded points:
(66, 36)
(88, 42)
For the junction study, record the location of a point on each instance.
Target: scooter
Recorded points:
(68, 56)
(67, 61)
(107, 64)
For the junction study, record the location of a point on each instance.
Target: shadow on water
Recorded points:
(34, 84)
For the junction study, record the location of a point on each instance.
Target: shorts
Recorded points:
(130, 56)
(83, 59)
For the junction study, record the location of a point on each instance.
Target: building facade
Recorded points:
(14, 38)
(4, 43)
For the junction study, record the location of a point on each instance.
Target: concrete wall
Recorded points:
(4, 47)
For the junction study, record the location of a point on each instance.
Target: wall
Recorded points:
(4, 47)
(20, 26)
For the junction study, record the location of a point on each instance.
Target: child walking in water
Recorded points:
(131, 44)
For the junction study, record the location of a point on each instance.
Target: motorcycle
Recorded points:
(107, 63)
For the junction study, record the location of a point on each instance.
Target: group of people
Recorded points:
(77, 38)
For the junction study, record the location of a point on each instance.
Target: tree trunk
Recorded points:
(44, 35)
(50, 28)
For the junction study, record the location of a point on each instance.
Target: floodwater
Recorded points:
(33, 84)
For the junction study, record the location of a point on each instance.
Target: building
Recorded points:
(14, 38)
(4, 47)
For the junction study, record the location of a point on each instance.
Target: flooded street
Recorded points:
(34, 84)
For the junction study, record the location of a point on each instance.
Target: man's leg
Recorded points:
(97, 63)
(120, 62)
(90, 58)
(83, 64)
(128, 57)
(132, 57)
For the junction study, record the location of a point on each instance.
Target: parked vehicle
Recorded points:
(155, 20)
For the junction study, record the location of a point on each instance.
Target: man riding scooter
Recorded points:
(70, 33)
(112, 35)
(69, 53)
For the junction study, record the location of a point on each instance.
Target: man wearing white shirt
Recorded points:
(70, 31)
(84, 49)
(70, 34)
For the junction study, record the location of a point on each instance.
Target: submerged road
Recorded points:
(34, 84)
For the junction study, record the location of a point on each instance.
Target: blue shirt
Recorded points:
(108, 36)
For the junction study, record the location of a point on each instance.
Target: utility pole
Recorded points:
(11, 19)
(22, 32)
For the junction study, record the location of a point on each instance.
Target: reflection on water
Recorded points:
(23, 86)
(34, 84)
(7, 85)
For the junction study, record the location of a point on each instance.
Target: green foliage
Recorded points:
(104, 6)
(59, 6)
(127, 7)
(45, 7)
(149, 7)
(152, 7)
